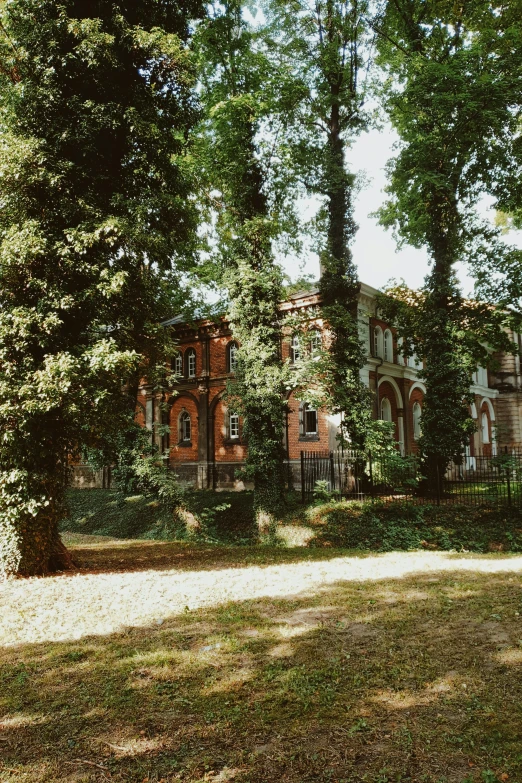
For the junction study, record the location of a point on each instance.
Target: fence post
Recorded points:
(438, 483)
(302, 478)
(332, 471)
(371, 474)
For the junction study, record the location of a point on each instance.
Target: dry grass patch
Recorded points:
(402, 667)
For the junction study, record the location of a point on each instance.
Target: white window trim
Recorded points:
(184, 417)
(386, 405)
(295, 348)
(388, 346)
(233, 426)
(191, 363)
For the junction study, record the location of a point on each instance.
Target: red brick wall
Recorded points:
(183, 453)
(218, 355)
(226, 452)
(140, 414)
(295, 445)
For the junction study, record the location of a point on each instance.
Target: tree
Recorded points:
(243, 177)
(454, 100)
(326, 46)
(94, 114)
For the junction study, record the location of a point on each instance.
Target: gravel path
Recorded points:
(70, 607)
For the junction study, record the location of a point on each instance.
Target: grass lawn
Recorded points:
(161, 661)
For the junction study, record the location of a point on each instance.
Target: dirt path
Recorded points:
(65, 608)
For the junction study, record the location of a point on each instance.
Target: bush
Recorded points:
(225, 517)
(384, 527)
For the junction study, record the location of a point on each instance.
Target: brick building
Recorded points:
(205, 446)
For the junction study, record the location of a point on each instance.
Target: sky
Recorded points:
(375, 253)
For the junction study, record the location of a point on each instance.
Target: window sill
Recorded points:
(308, 437)
(185, 444)
(232, 442)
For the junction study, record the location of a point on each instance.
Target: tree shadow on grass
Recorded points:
(110, 556)
(411, 679)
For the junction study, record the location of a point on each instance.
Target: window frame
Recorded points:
(190, 357)
(177, 364)
(388, 346)
(377, 342)
(232, 349)
(233, 425)
(484, 419)
(305, 409)
(388, 407)
(184, 418)
(295, 348)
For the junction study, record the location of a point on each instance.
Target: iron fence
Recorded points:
(474, 480)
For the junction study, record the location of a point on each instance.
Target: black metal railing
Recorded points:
(474, 480)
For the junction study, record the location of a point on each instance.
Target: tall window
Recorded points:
(485, 428)
(185, 427)
(316, 343)
(308, 420)
(190, 358)
(377, 342)
(232, 349)
(177, 364)
(480, 377)
(417, 413)
(295, 348)
(386, 411)
(233, 425)
(388, 346)
(414, 361)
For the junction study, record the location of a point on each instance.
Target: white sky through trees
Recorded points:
(375, 252)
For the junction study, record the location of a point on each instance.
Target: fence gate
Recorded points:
(316, 466)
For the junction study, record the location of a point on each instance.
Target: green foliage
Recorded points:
(456, 66)
(239, 96)
(385, 527)
(225, 517)
(325, 49)
(96, 211)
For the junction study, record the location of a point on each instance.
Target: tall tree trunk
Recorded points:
(340, 288)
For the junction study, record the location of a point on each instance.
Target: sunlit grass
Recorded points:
(386, 668)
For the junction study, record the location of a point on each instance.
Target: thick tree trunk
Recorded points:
(30, 544)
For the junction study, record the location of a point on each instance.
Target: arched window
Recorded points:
(233, 426)
(185, 427)
(177, 364)
(190, 363)
(316, 342)
(417, 413)
(295, 350)
(308, 423)
(388, 346)
(481, 376)
(232, 349)
(386, 411)
(377, 342)
(400, 347)
(485, 428)
(414, 361)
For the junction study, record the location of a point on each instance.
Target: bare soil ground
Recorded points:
(176, 662)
